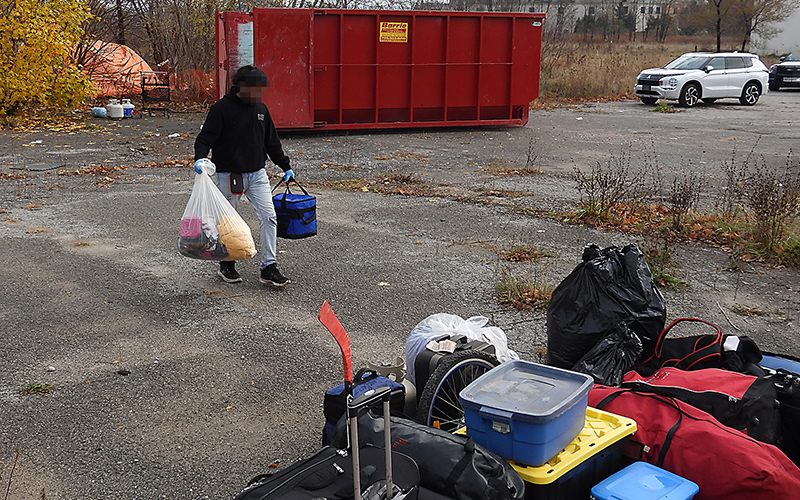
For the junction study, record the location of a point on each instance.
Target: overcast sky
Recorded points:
(788, 40)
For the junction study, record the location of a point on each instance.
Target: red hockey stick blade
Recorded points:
(331, 322)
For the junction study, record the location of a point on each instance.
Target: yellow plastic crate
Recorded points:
(602, 429)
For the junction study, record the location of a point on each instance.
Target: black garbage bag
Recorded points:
(613, 285)
(609, 360)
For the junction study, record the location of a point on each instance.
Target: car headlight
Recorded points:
(668, 83)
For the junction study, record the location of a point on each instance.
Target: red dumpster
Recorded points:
(359, 69)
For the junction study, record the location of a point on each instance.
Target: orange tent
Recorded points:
(115, 68)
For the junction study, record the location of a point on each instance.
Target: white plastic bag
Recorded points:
(210, 227)
(474, 328)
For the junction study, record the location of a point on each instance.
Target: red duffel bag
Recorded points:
(723, 462)
(744, 402)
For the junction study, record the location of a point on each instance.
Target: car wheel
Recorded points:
(774, 86)
(750, 94)
(649, 100)
(690, 94)
(709, 100)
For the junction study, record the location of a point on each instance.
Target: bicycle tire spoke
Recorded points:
(445, 406)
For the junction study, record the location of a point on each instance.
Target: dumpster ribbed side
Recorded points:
(359, 69)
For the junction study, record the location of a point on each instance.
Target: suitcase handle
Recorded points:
(369, 397)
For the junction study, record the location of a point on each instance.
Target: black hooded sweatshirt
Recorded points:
(241, 136)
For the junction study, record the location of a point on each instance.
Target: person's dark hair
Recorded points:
(250, 75)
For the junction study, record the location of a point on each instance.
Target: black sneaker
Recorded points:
(228, 273)
(270, 275)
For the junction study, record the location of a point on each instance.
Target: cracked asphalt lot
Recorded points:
(168, 383)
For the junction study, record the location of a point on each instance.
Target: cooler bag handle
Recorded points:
(288, 190)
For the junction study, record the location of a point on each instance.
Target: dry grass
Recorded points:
(603, 70)
(522, 292)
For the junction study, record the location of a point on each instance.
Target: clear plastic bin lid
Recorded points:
(530, 390)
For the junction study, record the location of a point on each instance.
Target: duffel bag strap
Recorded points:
(698, 352)
(664, 399)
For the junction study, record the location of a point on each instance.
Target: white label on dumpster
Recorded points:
(244, 47)
(501, 427)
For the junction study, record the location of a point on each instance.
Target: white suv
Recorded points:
(705, 75)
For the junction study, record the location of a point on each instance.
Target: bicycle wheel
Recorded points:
(439, 405)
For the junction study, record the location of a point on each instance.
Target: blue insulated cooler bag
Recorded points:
(335, 401)
(297, 213)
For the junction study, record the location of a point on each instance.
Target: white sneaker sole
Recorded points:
(276, 285)
(228, 280)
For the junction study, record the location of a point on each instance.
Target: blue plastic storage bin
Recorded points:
(525, 411)
(643, 481)
(776, 363)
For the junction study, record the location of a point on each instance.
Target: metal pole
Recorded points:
(387, 443)
(355, 451)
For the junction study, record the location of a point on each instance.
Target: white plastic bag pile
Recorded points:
(474, 328)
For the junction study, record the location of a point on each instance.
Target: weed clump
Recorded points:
(34, 388)
(522, 292)
(524, 253)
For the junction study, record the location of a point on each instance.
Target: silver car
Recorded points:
(705, 75)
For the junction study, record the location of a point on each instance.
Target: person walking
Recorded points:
(241, 135)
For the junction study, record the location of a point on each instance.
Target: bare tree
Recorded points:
(758, 16)
(721, 8)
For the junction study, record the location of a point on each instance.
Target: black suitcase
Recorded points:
(427, 361)
(330, 472)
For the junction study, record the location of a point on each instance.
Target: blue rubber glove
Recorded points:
(288, 175)
(204, 165)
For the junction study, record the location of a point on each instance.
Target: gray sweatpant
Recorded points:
(258, 191)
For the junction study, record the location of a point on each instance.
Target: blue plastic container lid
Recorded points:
(534, 392)
(643, 481)
(775, 363)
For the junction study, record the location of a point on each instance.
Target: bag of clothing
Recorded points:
(613, 285)
(297, 213)
(211, 228)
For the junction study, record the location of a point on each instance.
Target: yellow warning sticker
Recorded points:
(393, 32)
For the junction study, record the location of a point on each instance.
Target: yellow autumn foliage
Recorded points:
(36, 66)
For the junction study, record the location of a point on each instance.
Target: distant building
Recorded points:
(643, 10)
